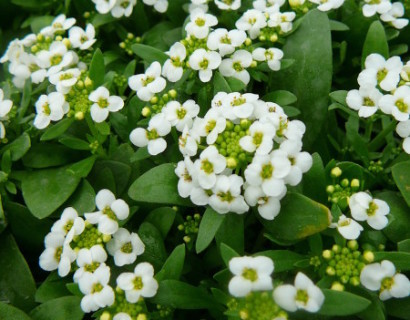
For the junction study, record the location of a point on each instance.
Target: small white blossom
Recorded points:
(159, 5)
(272, 56)
(250, 274)
(125, 247)
(268, 6)
(252, 21)
(123, 8)
(200, 23)
(403, 130)
(236, 65)
(140, 283)
(110, 211)
(50, 108)
(347, 227)
(188, 141)
(69, 224)
(303, 295)
(82, 39)
(370, 8)
(56, 57)
(173, 67)
(268, 207)
(397, 104)
(104, 6)
(204, 61)
(184, 170)
(181, 115)
(89, 260)
(212, 125)
(228, 4)
(327, 5)
(65, 79)
(148, 83)
(225, 42)
(283, 20)
(394, 16)
(122, 316)
(208, 165)
(59, 24)
(103, 104)
(260, 138)
(365, 100)
(383, 277)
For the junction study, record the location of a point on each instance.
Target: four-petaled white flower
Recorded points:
(252, 21)
(208, 165)
(158, 127)
(237, 105)
(103, 104)
(260, 138)
(250, 274)
(89, 260)
(383, 277)
(65, 79)
(272, 56)
(56, 57)
(371, 7)
(212, 125)
(283, 20)
(394, 16)
(268, 207)
(364, 207)
(181, 115)
(125, 247)
(365, 100)
(59, 24)
(50, 108)
(110, 211)
(397, 104)
(199, 24)
(347, 227)
(185, 182)
(403, 130)
(148, 83)
(82, 39)
(303, 295)
(204, 61)
(69, 224)
(123, 8)
(140, 283)
(236, 65)
(225, 41)
(327, 5)
(173, 67)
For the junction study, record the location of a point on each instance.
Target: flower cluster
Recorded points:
(383, 86)
(87, 243)
(124, 8)
(391, 13)
(244, 153)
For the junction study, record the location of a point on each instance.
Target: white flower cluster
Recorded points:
(384, 85)
(5, 108)
(327, 5)
(85, 242)
(124, 8)
(245, 151)
(383, 277)
(391, 13)
(362, 208)
(254, 274)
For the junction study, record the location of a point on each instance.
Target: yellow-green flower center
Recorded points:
(103, 103)
(403, 107)
(250, 274)
(127, 248)
(267, 171)
(372, 209)
(302, 296)
(138, 285)
(207, 166)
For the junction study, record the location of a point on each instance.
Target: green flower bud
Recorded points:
(336, 172)
(368, 256)
(337, 286)
(330, 189)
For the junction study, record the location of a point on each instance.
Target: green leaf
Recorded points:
(400, 259)
(210, 223)
(74, 289)
(299, 217)
(356, 140)
(97, 69)
(102, 19)
(3, 221)
(401, 175)
(339, 96)
(338, 26)
(149, 54)
(155, 252)
(45, 155)
(235, 84)
(220, 84)
(291, 111)
(8, 312)
(283, 260)
(83, 199)
(82, 168)
(33, 4)
(404, 245)
(39, 23)
(57, 129)
(227, 253)
(399, 308)
(140, 154)
(46, 190)
(375, 42)
(16, 282)
(19, 147)
(281, 97)
(59, 309)
(74, 143)
(53, 287)
(158, 185)
(342, 303)
(172, 268)
(231, 232)
(180, 295)
(314, 181)
(162, 218)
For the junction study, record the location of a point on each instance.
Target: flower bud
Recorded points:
(146, 111)
(355, 183)
(330, 189)
(336, 172)
(79, 115)
(337, 286)
(172, 93)
(353, 245)
(345, 183)
(327, 254)
(368, 256)
(105, 316)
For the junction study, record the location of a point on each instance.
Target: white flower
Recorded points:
(173, 67)
(327, 5)
(125, 247)
(397, 104)
(59, 24)
(70, 224)
(371, 7)
(383, 276)
(159, 5)
(184, 171)
(148, 83)
(56, 58)
(103, 104)
(82, 39)
(303, 295)
(204, 61)
(188, 141)
(380, 72)
(50, 108)
(268, 6)
(227, 195)
(97, 293)
(5, 105)
(347, 227)
(237, 105)
(394, 16)
(250, 274)
(283, 20)
(209, 164)
(212, 125)
(268, 171)
(252, 21)
(110, 211)
(268, 207)
(152, 137)
(228, 4)
(181, 115)
(260, 138)
(57, 254)
(365, 100)
(225, 42)
(89, 260)
(364, 207)
(236, 66)
(199, 24)
(403, 130)
(123, 8)
(2, 131)
(104, 6)
(140, 283)
(122, 316)
(65, 79)
(272, 56)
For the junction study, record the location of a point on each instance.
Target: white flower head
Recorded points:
(272, 56)
(268, 6)
(370, 8)
(59, 24)
(103, 104)
(260, 138)
(56, 57)
(111, 210)
(383, 277)
(403, 130)
(70, 224)
(184, 171)
(208, 166)
(228, 4)
(181, 115)
(188, 141)
(211, 125)
(125, 247)
(158, 127)
(394, 16)
(65, 79)
(148, 83)
(140, 283)
(123, 8)
(283, 20)
(397, 104)
(236, 65)
(225, 41)
(200, 23)
(347, 227)
(303, 295)
(364, 207)
(250, 274)
(89, 260)
(82, 39)
(204, 61)
(237, 105)
(104, 6)
(252, 21)
(365, 100)
(268, 207)
(5, 105)
(173, 67)
(50, 108)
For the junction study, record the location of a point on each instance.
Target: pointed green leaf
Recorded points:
(401, 175)
(97, 69)
(375, 42)
(172, 268)
(210, 223)
(342, 303)
(57, 129)
(149, 54)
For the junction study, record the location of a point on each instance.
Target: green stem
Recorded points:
(378, 141)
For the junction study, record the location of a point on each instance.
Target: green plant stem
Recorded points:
(378, 141)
